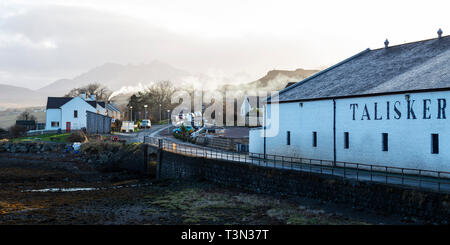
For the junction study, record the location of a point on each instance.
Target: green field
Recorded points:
(44, 137)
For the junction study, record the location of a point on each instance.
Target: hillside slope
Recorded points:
(18, 97)
(116, 76)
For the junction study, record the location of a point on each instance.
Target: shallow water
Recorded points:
(86, 188)
(62, 189)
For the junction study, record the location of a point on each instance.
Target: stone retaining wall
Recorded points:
(409, 203)
(103, 156)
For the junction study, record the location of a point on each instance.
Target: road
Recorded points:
(424, 182)
(138, 137)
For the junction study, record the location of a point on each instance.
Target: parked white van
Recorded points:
(127, 127)
(146, 123)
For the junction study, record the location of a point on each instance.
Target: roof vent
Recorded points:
(386, 43)
(439, 32)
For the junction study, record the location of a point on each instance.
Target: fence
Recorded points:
(423, 179)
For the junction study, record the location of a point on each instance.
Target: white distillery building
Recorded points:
(388, 106)
(67, 113)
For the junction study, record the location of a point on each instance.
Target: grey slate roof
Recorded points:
(112, 106)
(412, 66)
(94, 103)
(57, 102)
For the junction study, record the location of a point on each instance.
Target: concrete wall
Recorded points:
(362, 195)
(409, 140)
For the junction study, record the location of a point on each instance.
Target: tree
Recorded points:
(27, 116)
(157, 94)
(17, 130)
(101, 92)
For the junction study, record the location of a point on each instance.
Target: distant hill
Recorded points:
(274, 80)
(116, 76)
(18, 97)
(125, 80)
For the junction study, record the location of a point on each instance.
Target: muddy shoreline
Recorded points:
(129, 198)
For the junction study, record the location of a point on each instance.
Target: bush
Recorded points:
(17, 130)
(182, 137)
(101, 146)
(77, 137)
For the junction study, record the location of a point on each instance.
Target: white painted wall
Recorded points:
(301, 122)
(409, 139)
(68, 116)
(52, 115)
(256, 142)
(101, 110)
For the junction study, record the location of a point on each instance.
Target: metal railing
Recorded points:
(423, 179)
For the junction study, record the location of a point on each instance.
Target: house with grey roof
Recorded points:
(386, 106)
(70, 113)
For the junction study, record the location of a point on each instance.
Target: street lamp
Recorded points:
(145, 111)
(131, 114)
(160, 112)
(168, 120)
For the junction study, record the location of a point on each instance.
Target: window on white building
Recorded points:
(385, 142)
(346, 140)
(75, 114)
(55, 124)
(288, 138)
(434, 143)
(314, 139)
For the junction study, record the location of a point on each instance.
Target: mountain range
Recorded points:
(113, 76)
(117, 77)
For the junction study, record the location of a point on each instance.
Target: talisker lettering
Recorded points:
(409, 110)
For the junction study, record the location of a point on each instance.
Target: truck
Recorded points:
(127, 127)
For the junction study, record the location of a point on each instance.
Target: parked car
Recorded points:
(146, 123)
(127, 127)
(189, 129)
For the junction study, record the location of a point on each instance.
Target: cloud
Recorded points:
(52, 39)
(58, 39)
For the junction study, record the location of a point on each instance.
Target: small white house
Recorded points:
(68, 113)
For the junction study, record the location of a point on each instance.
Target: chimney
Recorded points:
(83, 95)
(93, 97)
(386, 43)
(439, 32)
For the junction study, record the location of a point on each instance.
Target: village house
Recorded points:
(250, 110)
(70, 113)
(387, 106)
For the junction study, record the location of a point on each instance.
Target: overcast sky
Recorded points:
(41, 41)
